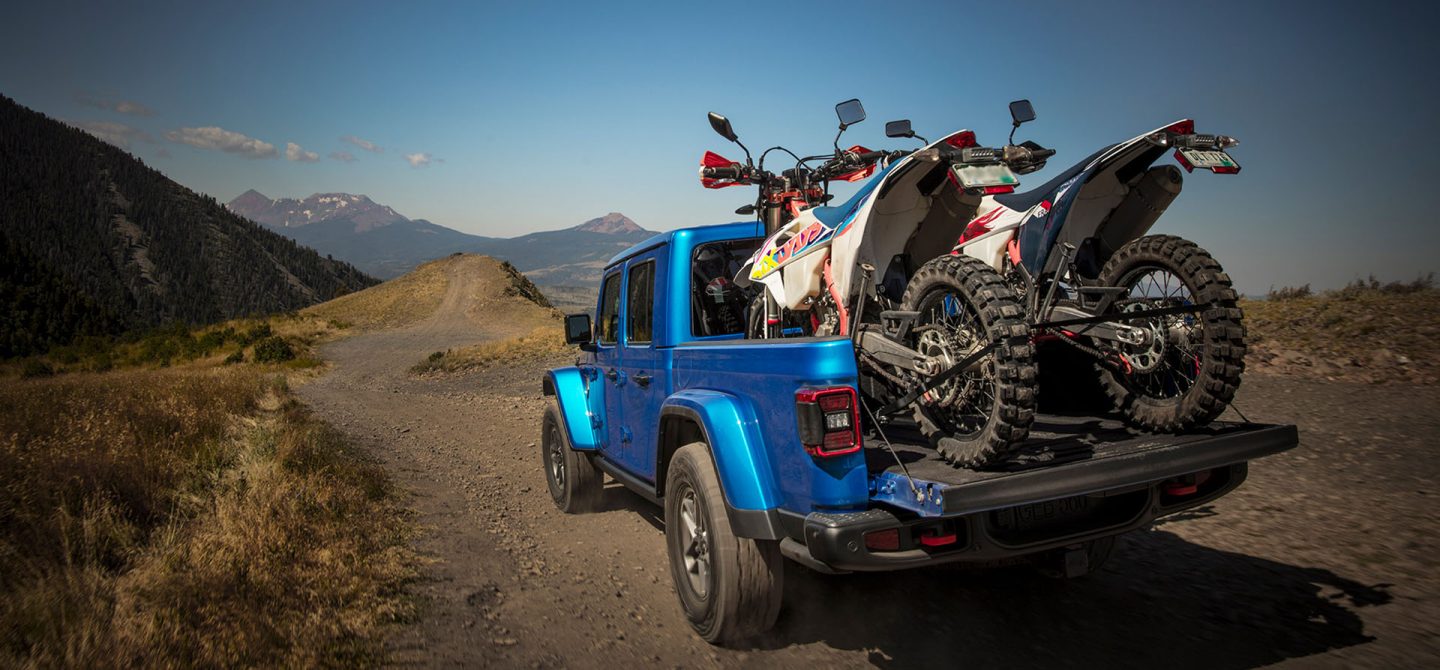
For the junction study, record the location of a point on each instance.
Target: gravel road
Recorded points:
(1326, 557)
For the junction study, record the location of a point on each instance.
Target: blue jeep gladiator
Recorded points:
(757, 450)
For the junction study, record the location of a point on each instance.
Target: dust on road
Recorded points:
(1325, 557)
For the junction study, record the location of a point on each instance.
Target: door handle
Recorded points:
(642, 379)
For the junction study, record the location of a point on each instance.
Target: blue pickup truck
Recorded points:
(757, 450)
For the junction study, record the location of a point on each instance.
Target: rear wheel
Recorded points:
(575, 483)
(730, 587)
(980, 416)
(1189, 366)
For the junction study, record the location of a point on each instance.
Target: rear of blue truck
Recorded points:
(759, 449)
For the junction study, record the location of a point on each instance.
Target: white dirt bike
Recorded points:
(947, 280)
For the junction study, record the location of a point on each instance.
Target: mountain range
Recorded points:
(384, 243)
(94, 242)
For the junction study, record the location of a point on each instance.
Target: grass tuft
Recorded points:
(541, 343)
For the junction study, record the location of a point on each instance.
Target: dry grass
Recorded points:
(1363, 332)
(540, 344)
(189, 516)
(397, 302)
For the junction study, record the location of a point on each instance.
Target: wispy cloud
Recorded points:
(162, 152)
(362, 143)
(342, 156)
(293, 152)
(419, 160)
(219, 139)
(122, 106)
(117, 134)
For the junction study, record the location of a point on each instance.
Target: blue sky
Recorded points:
(536, 116)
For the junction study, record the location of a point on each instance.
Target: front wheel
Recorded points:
(982, 415)
(730, 587)
(576, 485)
(1188, 369)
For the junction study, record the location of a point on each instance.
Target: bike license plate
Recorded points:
(1214, 161)
(981, 176)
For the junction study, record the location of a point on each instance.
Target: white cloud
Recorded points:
(219, 139)
(363, 144)
(419, 160)
(293, 152)
(122, 106)
(117, 134)
(342, 156)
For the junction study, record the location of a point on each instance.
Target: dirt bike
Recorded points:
(946, 329)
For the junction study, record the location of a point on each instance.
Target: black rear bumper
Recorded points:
(995, 516)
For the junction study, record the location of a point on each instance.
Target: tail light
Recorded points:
(998, 190)
(961, 140)
(828, 420)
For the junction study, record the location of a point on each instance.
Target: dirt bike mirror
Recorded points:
(899, 128)
(577, 328)
(722, 127)
(1021, 111)
(850, 112)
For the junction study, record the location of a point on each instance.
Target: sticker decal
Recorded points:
(776, 255)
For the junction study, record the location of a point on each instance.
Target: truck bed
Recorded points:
(1064, 456)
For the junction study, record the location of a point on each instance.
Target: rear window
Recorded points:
(717, 305)
(609, 325)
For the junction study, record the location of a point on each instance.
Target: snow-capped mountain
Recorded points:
(365, 213)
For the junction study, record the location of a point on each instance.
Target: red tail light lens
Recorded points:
(961, 140)
(828, 420)
(883, 540)
(999, 190)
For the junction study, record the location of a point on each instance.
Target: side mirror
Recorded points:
(577, 329)
(899, 128)
(850, 112)
(722, 127)
(1021, 111)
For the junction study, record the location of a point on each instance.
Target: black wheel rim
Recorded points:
(694, 543)
(1167, 366)
(555, 455)
(949, 329)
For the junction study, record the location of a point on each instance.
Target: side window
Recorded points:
(640, 303)
(717, 305)
(609, 325)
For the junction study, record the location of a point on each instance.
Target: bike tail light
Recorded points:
(961, 140)
(999, 190)
(828, 420)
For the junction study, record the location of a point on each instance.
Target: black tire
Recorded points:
(1181, 399)
(1008, 379)
(576, 485)
(741, 580)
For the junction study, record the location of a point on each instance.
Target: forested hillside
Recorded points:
(94, 242)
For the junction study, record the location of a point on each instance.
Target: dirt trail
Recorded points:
(1325, 557)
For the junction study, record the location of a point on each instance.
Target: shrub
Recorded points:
(35, 367)
(1289, 292)
(237, 357)
(273, 349)
(255, 334)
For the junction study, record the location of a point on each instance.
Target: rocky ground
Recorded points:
(1325, 557)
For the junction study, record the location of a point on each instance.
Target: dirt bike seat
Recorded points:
(1022, 202)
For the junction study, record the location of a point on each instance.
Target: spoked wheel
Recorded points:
(981, 415)
(1187, 368)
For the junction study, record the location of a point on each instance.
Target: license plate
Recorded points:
(1028, 516)
(1215, 161)
(980, 176)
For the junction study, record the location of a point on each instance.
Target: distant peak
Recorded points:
(613, 223)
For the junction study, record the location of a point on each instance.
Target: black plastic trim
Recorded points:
(1100, 474)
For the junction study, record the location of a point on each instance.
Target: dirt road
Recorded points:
(1325, 557)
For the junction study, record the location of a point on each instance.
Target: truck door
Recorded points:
(645, 382)
(604, 396)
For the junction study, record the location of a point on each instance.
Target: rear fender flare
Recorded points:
(731, 431)
(568, 386)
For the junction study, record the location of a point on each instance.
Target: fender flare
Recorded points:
(567, 385)
(731, 433)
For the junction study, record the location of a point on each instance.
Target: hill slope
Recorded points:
(96, 243)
